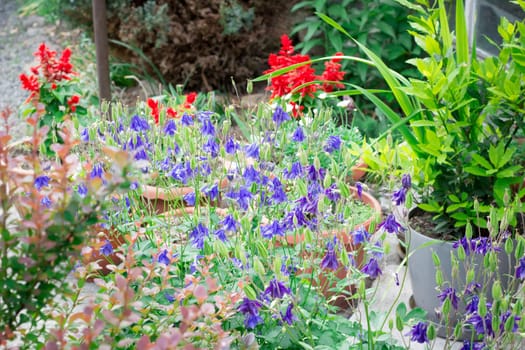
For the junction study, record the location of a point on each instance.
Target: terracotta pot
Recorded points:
(359, 170)
(159, 200)
(324, 283)
(92, 252)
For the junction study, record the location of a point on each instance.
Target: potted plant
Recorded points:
(177, 147)
(461, 140)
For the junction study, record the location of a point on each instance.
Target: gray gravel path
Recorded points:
(19, 38)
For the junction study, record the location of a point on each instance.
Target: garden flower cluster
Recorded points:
(301, 83)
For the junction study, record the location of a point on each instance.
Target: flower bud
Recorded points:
(496, 290)
(250, 293)
(258, 267)
(436, 260)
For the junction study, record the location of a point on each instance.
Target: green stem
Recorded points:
(401, 287)
(369, 330)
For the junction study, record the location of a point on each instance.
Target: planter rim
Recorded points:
(172, 193)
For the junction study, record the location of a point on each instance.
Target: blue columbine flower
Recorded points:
(298, 135)
(273, 229)
(244, 197)
(141, 155)
(332, 193)
(252, 151)
(399, 197)
(165, 164)
(295, 171)
(360, 235)
(97, 171)
(250, 309)
(212, 147)
(46, 202)
(138, 124)
(179, 173)
(359, 187)
(406, 181)
(84, 135)
(372, 269)
(229, 223)
(391, 225)
(276, 289)
(465, 243)
(82, 190)
(251, 175)
(106, 249)
(280, 116)
(472, 306)
(198, 234)
(288, 316)
(333, 143)
(207, 128)
(195, 263)
(482, 325)
(212, 192)
(418, 333)
(189, 198)
(186, 119)
(163, 258)
(483, 245)
(449, 293)
(520, 269)
(231, 146)
(170, 127)
(169, 297)
(467, 345)
(41, 181)
(315, 175)
(330, 259)
(221, 234)
(504, 317)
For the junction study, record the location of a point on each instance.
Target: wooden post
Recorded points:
(102, 49)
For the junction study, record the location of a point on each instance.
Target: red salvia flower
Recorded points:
(72, 102)
(155, 112)
(171, 112)
(293, 81)
(332, 73)
(190, 99)
(30, 83)
(297, 110)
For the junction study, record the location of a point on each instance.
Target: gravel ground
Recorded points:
(19, 38)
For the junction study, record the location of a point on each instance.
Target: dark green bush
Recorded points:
(381, 25)
(202, 44)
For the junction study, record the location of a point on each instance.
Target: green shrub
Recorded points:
(380, 25)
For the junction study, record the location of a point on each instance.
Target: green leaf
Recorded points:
(401, 310)
(482, 161)
(462, 43)
(475, 170)
(416, 314)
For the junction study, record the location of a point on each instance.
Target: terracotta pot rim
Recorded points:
(173, 193)
(359, 170)
(368, 199)
(190, 210)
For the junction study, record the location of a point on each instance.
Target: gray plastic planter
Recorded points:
(422, 273)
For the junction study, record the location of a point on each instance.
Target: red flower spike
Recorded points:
(155, 113)
(171, 113)
(29, 83)
(332, 73)
(190, 98)
(72, 102)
